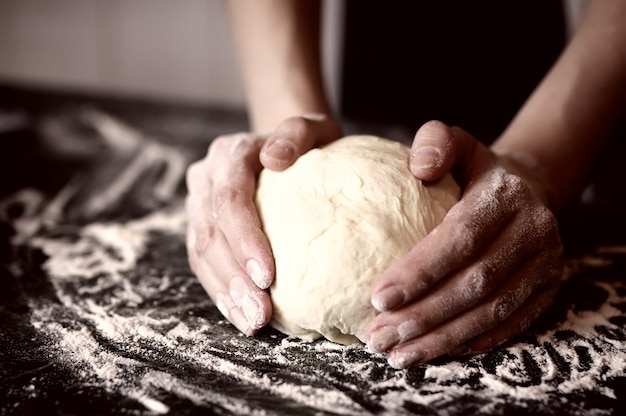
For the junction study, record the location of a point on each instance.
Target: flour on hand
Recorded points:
(336, 219)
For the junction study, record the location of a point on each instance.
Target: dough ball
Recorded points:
(336, 219)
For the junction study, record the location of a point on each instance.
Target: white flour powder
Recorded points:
(132, 329)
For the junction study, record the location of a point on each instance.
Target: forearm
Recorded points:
(277, 42)
(565, 124)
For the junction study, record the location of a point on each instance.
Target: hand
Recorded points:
(480, 277)
(226, 246)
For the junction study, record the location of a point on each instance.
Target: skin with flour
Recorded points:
(494, 263)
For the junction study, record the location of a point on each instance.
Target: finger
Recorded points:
(211, 258)
(232, 206)
(530, 239)
(295, 136)
(390, 329)
(199, 237)
(217, 289)
(489, 202)
(522, 294)
(435, 150)
(518, 323)
(238, 299)
(454, 295)
(463, 234)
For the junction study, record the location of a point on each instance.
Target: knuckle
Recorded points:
(515, 184)
(219, 145)
(298, 126)
(499, 181)
(428, 278)
(501, 308)
(224, 199)
(298, 130)
(505, 186)
(415, 326)
(444, 340)
(194, 174)
(478, 281)
(201, 240)
(230, 145)
(466, 237)
(201, 235)
(545, 221)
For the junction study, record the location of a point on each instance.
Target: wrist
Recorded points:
(294, 95)
(265, 119)
(528, 167)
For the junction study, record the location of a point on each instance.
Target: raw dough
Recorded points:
(336, 219)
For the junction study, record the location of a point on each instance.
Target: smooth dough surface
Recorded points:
(336, 219)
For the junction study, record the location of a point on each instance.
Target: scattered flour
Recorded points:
(114, 324)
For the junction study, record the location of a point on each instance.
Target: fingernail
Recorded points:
(237, 289)
(405, 359)
(388, 298)
(383, 338)
(280, 150)
(240, 321)
(221, 306)
(247, 315)
(258, 275)
(425, 157)
(251, 310)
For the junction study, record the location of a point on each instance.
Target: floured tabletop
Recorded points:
(100, 314)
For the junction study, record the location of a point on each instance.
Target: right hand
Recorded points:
(226, 246)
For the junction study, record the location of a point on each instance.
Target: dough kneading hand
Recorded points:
(336, 219)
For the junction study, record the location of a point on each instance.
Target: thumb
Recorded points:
(295, 136)
(436, 149)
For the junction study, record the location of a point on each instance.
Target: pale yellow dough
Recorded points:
(336, 219)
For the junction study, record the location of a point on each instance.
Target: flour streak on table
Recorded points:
(125, 314)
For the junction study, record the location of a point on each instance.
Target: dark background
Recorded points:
(467, 63)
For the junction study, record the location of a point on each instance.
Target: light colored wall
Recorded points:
(173, 49)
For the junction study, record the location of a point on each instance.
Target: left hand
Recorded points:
(485, 273)
(226, 246)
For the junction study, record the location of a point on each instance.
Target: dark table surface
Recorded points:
(100, 314)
